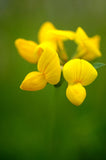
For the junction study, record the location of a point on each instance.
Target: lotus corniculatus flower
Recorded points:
(88, 48)
(78, 73)
(48, 72)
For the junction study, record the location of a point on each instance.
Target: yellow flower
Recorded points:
(48, 72)
(88, 48)
(28, 49)
(78, 73)
(49, 33)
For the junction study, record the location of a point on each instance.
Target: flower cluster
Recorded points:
(51, 59)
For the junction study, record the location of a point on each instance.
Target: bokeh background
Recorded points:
(44, 124)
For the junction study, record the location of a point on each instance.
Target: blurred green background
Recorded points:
(44, 124)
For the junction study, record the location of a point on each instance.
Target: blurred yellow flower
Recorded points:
(78, 73)
(49, 33)
(88, 48)
(48, 72)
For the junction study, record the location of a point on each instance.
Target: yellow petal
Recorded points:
(62, 34)
(27, 49)
(79, 70)
(92, 51)
(80, 35)
(43, 34)
(89, 52)
(61, 51)
(96, 40)
(76, 94)
(48, 32)
(33, 81)
(49, 65)
(41, 47)
(81, 51)
(71, 71)
(88, 48)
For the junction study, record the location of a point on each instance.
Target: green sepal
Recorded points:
(60, 82)
(98, 65)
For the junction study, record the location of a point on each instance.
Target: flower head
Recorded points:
(78, 73)
(88, 48)
(50, 53)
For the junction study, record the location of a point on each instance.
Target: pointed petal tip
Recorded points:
(21, 86)
(17, 41)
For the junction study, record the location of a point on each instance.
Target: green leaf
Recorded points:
(98, 65)
(61, 81)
